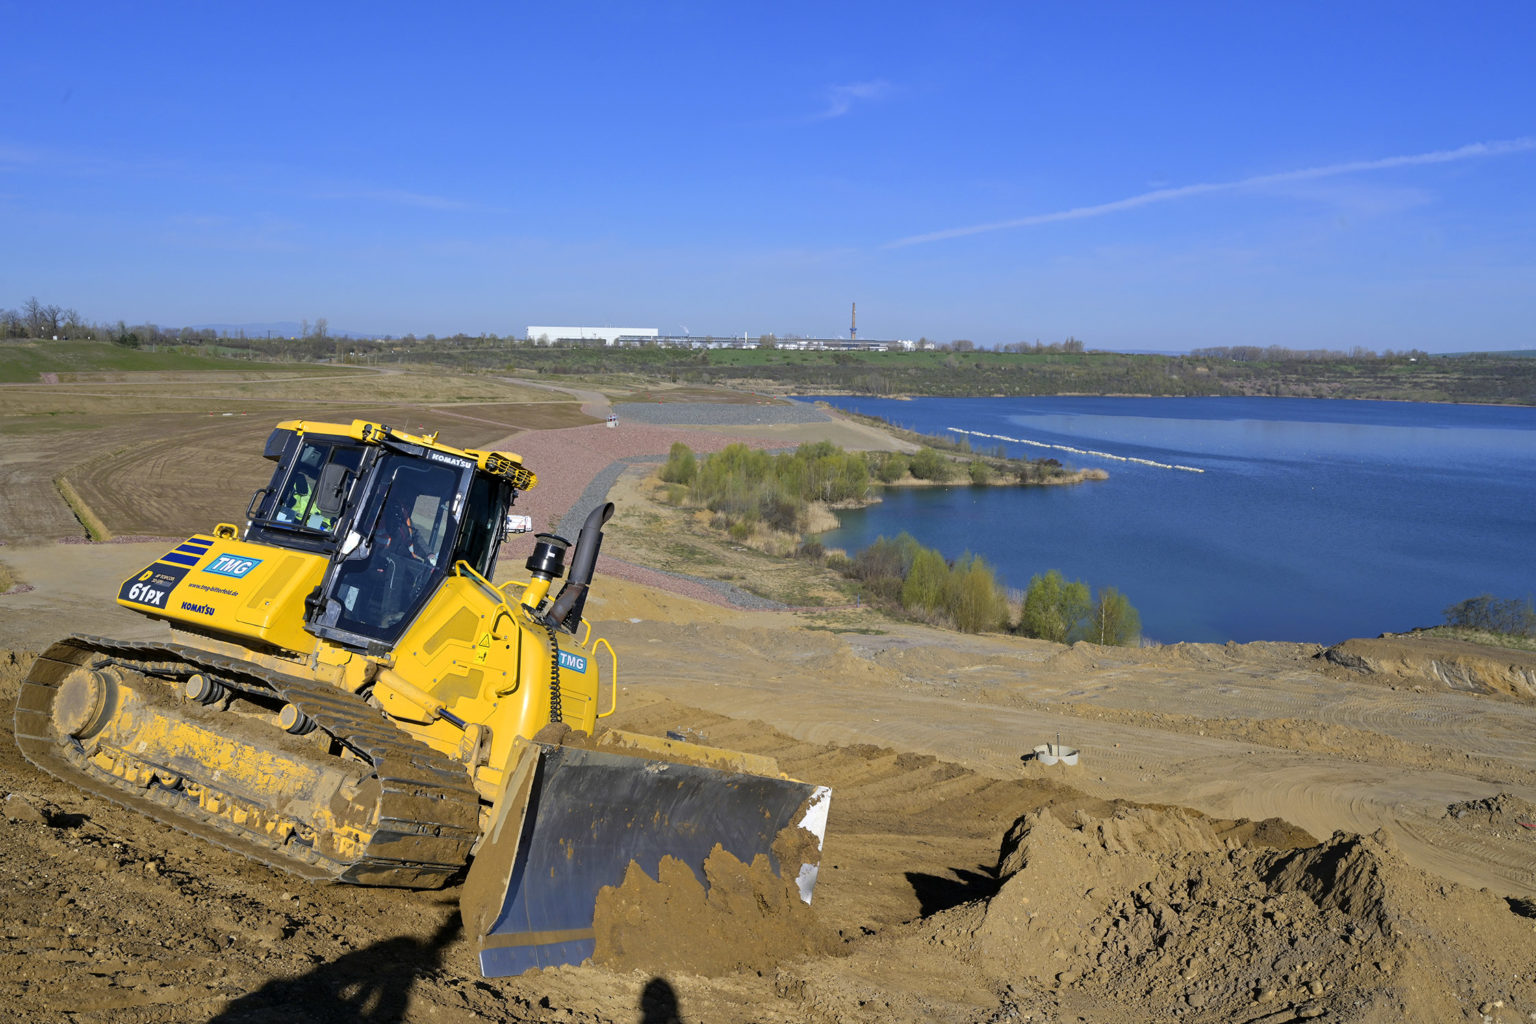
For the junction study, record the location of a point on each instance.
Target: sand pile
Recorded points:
(1435, 663)
(747, 920)
(1500, 811)
(1157, 908)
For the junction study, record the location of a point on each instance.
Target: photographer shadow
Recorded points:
(367, 986)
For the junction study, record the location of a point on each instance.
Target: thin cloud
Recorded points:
(400, 197)
(12, 154)
(1474, 151)
(842, 98)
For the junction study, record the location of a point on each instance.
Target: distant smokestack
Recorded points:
(853, 324)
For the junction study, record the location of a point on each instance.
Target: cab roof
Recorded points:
(505, 464)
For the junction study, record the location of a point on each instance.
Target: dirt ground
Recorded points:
(1252, 833)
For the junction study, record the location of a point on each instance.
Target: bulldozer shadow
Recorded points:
(936, 892)
(367, 986)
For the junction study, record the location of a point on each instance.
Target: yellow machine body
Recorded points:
(475, 650)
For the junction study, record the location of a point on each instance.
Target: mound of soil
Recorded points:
(1438, 664)
(1500, 811)
(748, 919)
(1154, 906)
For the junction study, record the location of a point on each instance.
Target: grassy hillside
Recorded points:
(23, 362)
(1493, 378)
(1489, 378)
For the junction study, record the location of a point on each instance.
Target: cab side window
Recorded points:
(486, 508)
(296, 501)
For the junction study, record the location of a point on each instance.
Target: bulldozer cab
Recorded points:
(393, 518)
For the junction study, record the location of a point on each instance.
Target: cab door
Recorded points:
(397, 553)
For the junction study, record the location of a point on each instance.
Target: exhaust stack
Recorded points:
(566, 611)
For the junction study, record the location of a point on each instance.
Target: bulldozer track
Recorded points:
(427, 815)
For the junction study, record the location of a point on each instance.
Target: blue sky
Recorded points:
(1140, 176)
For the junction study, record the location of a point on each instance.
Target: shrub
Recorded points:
(1053, 608)
(981, 473)
(1511, 616)
(928, 464)
(923, 590)
(890, 466)
(974, 599)
(681, 466)
(778, 510)
(886, 558)
(1114, 622)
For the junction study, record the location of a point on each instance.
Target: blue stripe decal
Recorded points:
(198, 542)
(179, 559)
(191, 549)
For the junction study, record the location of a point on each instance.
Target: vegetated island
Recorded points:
(795, 493)
(777, 503)
(941, 461)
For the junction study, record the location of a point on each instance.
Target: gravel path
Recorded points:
(576, 466)
(709, 414)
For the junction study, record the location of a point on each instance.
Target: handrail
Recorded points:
(613, 675)
(463, 568)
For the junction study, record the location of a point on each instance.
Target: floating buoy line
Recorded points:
(1078, 451)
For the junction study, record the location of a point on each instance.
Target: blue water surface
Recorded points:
(1310, 519)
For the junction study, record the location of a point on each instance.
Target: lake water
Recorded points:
(1308, 519)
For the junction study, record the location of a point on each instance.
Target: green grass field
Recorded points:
(23, 362)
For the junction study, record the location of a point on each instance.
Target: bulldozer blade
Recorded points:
(571, 820)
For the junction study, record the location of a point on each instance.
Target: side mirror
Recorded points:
(331, 491)
(516, 524)
(256, 500)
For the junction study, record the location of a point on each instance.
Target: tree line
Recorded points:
(38, 320)
(1282, 354)
(1508, 616)
(903, 577)
(951, 369)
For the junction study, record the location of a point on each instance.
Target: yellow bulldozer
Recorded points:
(348, 696)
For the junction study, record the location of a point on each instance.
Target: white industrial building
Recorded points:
(590, 335)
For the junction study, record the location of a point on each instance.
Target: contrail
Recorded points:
(1474, 151)
(1079, 451)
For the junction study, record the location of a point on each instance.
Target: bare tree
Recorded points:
(36, 317)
